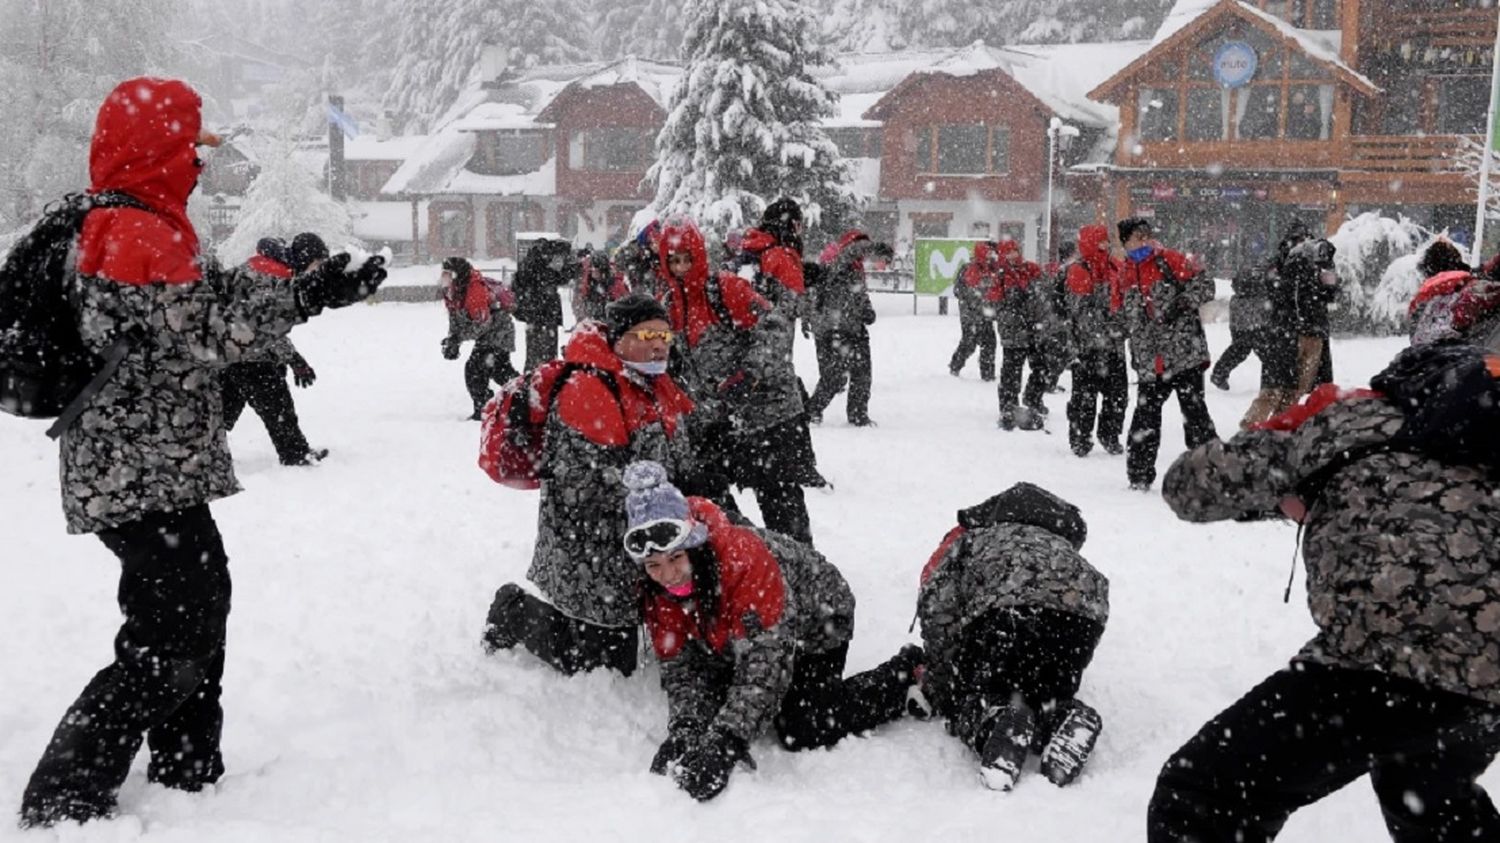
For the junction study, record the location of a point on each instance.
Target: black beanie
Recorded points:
(626, 312)
(459, 267)
(306, 248)
(273, 248)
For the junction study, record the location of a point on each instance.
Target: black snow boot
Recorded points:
(1012, 728)
(506, 621)
(1071, 744)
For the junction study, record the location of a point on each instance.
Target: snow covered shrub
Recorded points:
(1369, 247)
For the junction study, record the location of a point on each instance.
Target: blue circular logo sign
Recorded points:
(1234, 64)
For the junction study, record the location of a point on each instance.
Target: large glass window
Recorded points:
(962, 150)
(965, 150)
(1206, 114)
(614, 149)
(1158, 114)
(453, 229)
(1309, 112)
(1462, 103)
(1259, 114)
(509, 153)
(856, 142)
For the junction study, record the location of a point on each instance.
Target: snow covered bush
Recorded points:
(283, 201)
(1374, 274)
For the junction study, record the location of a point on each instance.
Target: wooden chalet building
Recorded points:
(944, 143)
(1245, 113)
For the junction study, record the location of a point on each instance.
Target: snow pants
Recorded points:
(486, 365)
(568, 644)
(843, 359)
(164, 680)
(1029, 655)
(1241, 345)
(262, 385)
(1310, 729)
(541, 344)
(821, 706)
(1101, 390)
(1013, 358)
(978, 332)
(1145, 424)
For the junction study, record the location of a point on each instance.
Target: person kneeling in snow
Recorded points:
(1011, 614)
(752, 629)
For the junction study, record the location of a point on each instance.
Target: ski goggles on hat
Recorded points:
(661, 536)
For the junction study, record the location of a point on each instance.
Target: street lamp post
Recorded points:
(1059, 135)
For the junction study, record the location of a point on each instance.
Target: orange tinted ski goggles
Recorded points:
(647, 335)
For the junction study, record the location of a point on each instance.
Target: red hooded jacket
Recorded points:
(1095, 266)
(749, 581)
(478, 298)
(982, 270)
(586, 404)
(778, 261)
(1008, 275)
(688, 306)
(1145, 275)
(144, 145)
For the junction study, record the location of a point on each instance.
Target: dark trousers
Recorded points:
(484, 366)
(843, 358)
(1145, 424)
(1307, 731)
(1013, 358)
(1241, 345)
(569, 645)
(164, 681)
(263, 386)
(783, 508)
(1101, 390)
(1031, 655)
(541, 344)
(978, 332)
(821, 706)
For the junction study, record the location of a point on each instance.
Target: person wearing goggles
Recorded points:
(616, 404)
(752, 629)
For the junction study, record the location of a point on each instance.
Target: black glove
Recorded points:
(679, 740)
(332, 286)
(704, 771)
(302, 374)
(450, 348)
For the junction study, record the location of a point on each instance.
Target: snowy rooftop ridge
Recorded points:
(1313, 42)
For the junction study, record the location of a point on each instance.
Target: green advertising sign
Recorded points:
(938, 260)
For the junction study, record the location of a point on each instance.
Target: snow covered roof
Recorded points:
(376, 221)
(1061, 75)
(542, 182)
(492, 116)
(851, 111)
(435, 164)
(654, 77)
(1188, 18)
(370, 148)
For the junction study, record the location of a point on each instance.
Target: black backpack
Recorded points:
(46, 371)
(1450, 395)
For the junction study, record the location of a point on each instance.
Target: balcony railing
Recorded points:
(1442, 27)
(1405, 153)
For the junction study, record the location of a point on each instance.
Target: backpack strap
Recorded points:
(117, 352)
(715, 295)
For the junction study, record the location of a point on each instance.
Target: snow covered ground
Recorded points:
(359, 706)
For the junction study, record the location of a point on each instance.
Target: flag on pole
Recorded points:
(1490, 137)
(346, 124)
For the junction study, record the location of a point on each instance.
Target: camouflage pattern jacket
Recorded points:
(1010, 564)
(1401, 551)
(579, 561)
(775, 598)
(1162, 295)
(840, 302)
(739, 345)
(152, 439)
(1091, 283)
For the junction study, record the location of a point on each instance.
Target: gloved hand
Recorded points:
(333, 286)
(450, 348)
(679, 740)
(704, 771)
(302, 374)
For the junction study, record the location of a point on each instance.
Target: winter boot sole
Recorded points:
(1071, 745)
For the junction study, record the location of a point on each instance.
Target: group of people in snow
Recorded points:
(1081, 316)
(670, 399)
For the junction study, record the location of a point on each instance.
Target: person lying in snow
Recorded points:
(1011, 614)
(752, 629)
